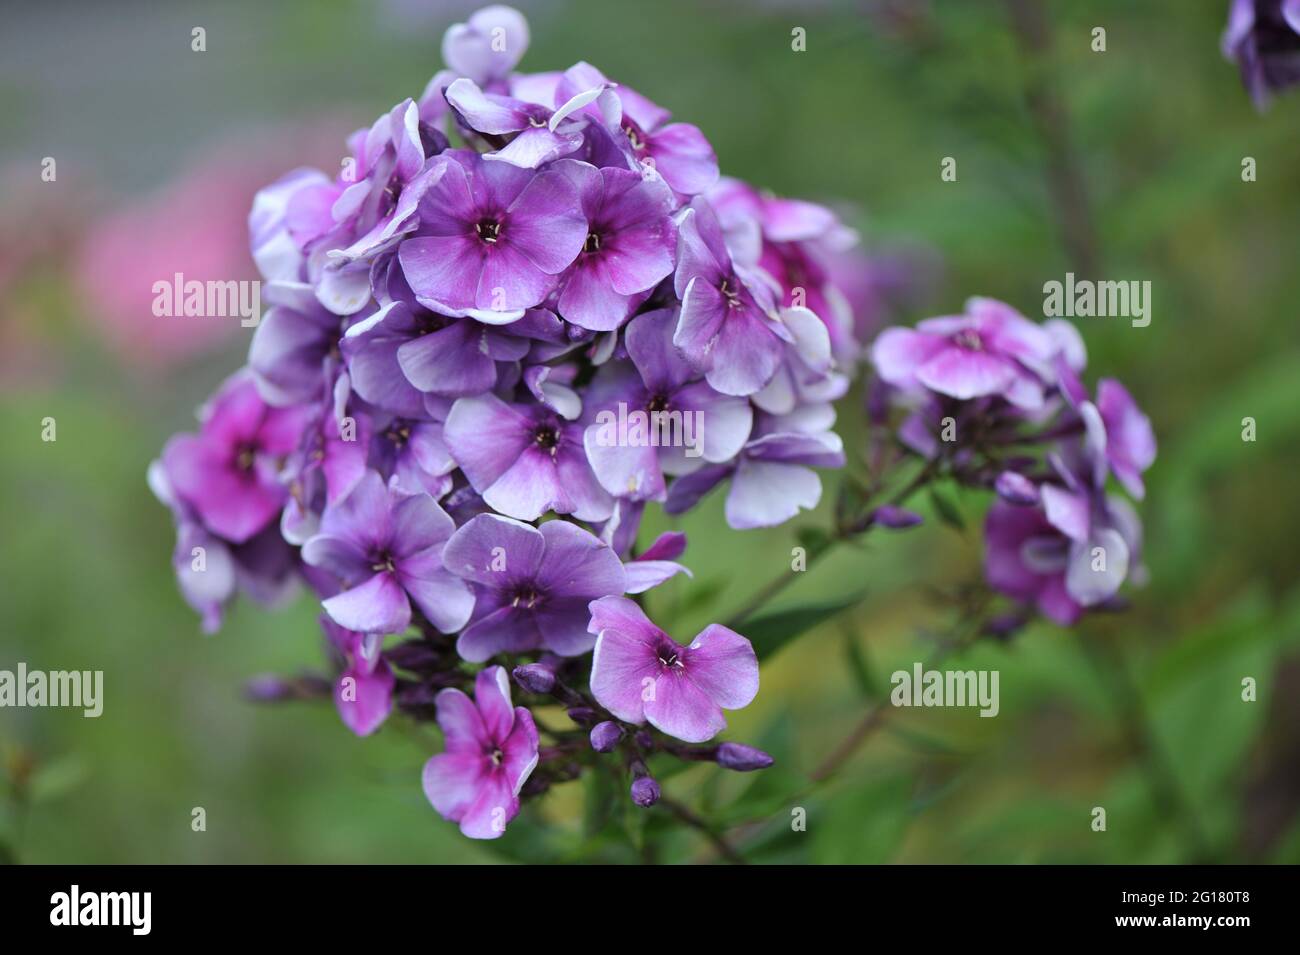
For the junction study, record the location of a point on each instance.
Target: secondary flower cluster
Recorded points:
(998, 401)
(1263, 38)
(500, 268)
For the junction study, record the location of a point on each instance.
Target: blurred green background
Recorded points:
(1140, 713)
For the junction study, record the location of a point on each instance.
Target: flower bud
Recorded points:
(645, 791)
(742, 758)
(583, 715)
(895, 518)
(605, 736)
(535, 678)
(1015, 488)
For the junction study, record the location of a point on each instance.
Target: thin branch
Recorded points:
(725, 849)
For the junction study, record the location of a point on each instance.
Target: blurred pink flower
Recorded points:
(196, 225)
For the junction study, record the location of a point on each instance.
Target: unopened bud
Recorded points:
(605, 736)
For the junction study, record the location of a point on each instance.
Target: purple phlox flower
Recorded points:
(487, 47)
(1070, 552)
(524, 459)
(1263, 38)
(401, 353)
(677, 152)
(228, 473)
(620, 531)
(384, 187)
(210, 571)
(991, 350)
(532, 584)
(385, 547)
(629, 245)
(640, 674)
(523, 133)
(410, 454)
(1118, 436)
(771, 479)
(807, 374)
(276, 241)
(329, 462)
(728, 325)
(657, 563)
(552, 386)
(364, 691)
(653, 416)
(797, 243)
(490, 749)
(493, 238)
(292, 344)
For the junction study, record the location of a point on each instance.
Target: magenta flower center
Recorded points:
(592, 244)
(657, 403)
(489, 230)
(383, 563)
(969, 339)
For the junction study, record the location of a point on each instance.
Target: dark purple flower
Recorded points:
(1071, 552)
(229, 472)
(532, 585)
(490, 751)
(992, 350)
(364, 691)
(659, 381)
(292, 344)
(629, 247)
(728, 325)
(524, 459)
(493, 238)
(1263, 38)
(641, 674)
(385, 548)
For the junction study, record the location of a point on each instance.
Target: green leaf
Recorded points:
(947, 511)
(772, 631)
